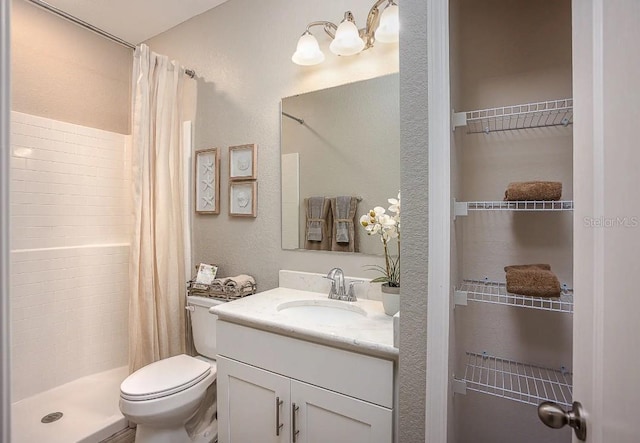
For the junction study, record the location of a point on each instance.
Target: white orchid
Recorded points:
(395, 205)
(378, 222)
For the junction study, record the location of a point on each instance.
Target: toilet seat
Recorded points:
(164, 377)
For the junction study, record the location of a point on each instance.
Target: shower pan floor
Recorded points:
(89, 406)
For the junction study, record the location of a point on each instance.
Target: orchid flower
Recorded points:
(377, 222)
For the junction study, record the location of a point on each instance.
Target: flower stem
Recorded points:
(398, 258)
(386, 258)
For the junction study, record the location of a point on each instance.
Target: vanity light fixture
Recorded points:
(347, 39)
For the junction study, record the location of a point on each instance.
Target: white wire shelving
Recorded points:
(463, 208)
(496, 293)
(510, 118)
(521, 382)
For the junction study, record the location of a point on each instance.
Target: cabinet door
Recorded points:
(247, 404)
(325, 416)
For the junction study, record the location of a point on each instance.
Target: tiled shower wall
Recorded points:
(71, 221)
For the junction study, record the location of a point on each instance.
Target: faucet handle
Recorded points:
(332, 291)
(351, 294)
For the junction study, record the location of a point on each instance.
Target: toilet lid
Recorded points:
(164, 377)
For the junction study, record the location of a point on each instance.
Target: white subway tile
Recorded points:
(69, 302)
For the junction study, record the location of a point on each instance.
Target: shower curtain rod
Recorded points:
(190, 72)
(299, 120)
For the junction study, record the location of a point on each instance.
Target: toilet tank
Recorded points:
(203, 325)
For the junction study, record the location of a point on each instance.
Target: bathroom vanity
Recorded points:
(294, 366)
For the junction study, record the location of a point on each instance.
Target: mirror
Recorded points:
(341, 141)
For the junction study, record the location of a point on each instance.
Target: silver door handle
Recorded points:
(294, 410)
(278, 424)
(555, 417)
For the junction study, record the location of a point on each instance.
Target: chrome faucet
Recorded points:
(338, 290)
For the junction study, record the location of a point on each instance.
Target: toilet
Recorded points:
(163, 396)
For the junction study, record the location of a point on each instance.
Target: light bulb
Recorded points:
(389, 29)
(308, 51)
(347, 40)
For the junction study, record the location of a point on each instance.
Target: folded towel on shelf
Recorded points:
(242, 291)
(217, 285)
(239, 281)
(533, 191)
(533, 280)
(315, 219)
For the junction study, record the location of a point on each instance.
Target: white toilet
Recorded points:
(163, 396)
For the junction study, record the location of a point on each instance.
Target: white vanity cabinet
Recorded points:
(273, 388)
(247, 398)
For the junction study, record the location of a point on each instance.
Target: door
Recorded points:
(322, 416)
(607, 216)
(253, 404)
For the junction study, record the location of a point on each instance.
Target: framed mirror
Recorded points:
(339, 142)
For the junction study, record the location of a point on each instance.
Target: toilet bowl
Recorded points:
(163, 396)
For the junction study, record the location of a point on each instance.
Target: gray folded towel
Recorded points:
(343, 205)
(314, 218)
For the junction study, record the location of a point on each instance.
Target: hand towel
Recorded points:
(532, 280)
(314, 218)
(533, 191)
(343, 235)
(341, 215)
(324, 220)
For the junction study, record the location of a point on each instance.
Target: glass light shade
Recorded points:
(308, 51)
(389, 28)
(347, 40)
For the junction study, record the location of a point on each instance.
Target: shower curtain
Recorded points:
(157, 276)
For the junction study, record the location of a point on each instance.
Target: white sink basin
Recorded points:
(325, 311)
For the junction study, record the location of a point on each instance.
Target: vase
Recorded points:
(390, 299)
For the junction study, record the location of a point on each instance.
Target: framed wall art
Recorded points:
(243, 199)
(243, 162)
(207, 181)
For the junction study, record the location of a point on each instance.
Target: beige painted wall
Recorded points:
(241, 52)
(64, 72)
(509, 52)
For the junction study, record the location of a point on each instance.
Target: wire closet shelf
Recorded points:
(566, 205)
(510, 118)
(517, 381)
(463, 208)
(496, 293)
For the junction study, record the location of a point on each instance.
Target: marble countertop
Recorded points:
(370, 334)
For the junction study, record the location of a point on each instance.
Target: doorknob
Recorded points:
(555, 417)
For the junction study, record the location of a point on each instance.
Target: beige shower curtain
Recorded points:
(157, 276)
